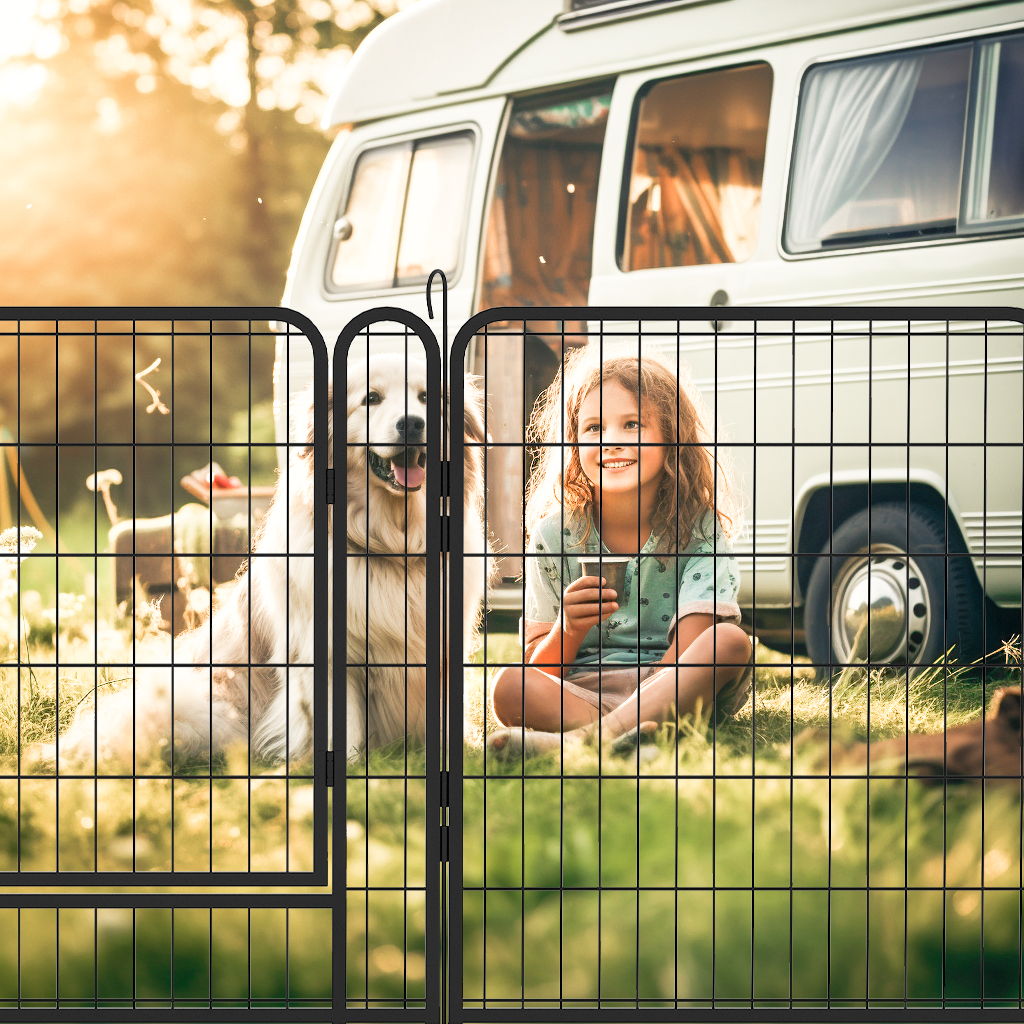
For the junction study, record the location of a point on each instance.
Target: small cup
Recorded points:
(611, 567)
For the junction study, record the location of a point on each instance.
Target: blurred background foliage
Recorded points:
(161, 151)
(154, 152)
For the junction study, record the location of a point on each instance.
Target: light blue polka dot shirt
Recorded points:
(658, 592)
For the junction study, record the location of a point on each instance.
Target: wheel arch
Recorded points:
(826, 502)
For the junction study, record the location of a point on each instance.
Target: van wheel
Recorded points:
(917, 605)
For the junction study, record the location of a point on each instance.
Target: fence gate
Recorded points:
(163, 790)
(761, 862)
(842, 841)
(389, 702)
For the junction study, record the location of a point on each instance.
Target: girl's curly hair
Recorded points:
(689, 488)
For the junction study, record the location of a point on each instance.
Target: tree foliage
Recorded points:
(165, 160)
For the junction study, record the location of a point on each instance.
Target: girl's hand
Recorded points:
(585, 604)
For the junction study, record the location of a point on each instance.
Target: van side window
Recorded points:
(878, 150)
(698, 155)
(994, 189)
(540, 230)
(919, 144)
(404, 214)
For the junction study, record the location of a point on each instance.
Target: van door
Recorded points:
(537, 252)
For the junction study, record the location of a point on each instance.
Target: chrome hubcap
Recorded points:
(880, 608)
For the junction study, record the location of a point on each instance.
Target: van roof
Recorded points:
(443, 51)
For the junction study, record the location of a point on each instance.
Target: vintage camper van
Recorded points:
(732, 153)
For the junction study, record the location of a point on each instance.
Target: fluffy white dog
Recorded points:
(386, 526)
(245, 675)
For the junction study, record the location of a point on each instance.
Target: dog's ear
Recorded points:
(305, 421)
(473, 408)
(1006, 709)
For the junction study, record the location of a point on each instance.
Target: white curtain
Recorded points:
(850, 117)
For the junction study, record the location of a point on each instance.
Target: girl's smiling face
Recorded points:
(609, 430)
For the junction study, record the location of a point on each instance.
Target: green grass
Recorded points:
(719, 864)
(723, 863)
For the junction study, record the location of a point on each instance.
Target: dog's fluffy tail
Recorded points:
(185, 709)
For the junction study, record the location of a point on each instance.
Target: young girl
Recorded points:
(632, 478)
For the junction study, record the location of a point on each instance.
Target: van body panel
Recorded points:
(433, 49)
(842, 401)
(449, 48)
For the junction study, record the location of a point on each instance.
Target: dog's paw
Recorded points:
(39, 758)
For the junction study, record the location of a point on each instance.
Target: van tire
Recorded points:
(922, 582)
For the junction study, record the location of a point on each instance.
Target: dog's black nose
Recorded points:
(411, 427)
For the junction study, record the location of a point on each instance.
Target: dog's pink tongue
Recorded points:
(409, 476)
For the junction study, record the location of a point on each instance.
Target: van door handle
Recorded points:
(720, 298)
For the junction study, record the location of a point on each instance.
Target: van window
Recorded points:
(540, 230)
(404, 214)
(697, 160)
(909, 146)
(994, 194)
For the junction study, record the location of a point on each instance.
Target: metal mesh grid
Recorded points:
(771, 865)
(388, 368)
(164, 687)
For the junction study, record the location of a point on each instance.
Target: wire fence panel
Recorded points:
(770, 768)
(390, 592)
(681, 664)
(165, 680)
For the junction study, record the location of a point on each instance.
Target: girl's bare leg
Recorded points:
(718, 656)
(528, 696)
(715, 658)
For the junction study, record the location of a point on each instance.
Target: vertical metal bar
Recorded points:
(984, 654)
(486, 781)
(868, 660)
(793, 565)
(174, 588)
(561, 658)
(339, 684)
(830, 668)
(522, 689)
(95, 602)
(56, 560)
(676, 572)
(366, 670)
(945, 675)
(212, 544)
(405, 711)
(639, 456)
(435, 682)
(23, 657)
(286, 669)
(753, 697)
(906, 691)
(455, 760)
(601, 630)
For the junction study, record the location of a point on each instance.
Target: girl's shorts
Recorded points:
(616, 684)
(608, 688)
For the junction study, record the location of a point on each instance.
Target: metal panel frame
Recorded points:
(726, 1010)
(431, 1012)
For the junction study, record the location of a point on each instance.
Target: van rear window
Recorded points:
(404, 214)
(908, 146)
